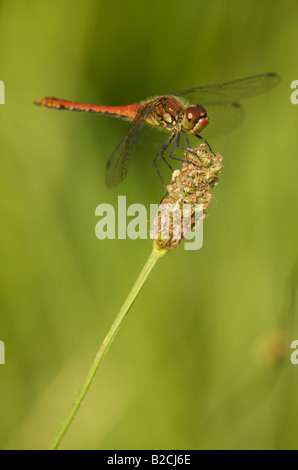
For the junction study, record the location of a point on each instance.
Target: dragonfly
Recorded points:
(208, 110)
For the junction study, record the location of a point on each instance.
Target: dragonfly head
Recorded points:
(195, 119)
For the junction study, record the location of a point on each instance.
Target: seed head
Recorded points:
(188, 195)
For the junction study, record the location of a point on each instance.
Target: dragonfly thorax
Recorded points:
(166, 111)
(195, 119)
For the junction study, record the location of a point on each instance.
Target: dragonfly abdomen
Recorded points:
(125, 112)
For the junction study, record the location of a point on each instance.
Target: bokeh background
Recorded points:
(203, 358)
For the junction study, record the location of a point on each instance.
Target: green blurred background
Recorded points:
(199, 363)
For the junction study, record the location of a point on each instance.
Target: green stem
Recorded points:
(154, 256)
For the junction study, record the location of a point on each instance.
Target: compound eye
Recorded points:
(193, 113)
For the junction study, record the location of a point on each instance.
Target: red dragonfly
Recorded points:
(182, 113)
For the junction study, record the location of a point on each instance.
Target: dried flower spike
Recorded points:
(188, 197)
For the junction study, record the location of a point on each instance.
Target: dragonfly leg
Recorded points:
(161, 154)
(177, 144)
(190, 148)
(205, 141)
(167, 163)
(186, 139)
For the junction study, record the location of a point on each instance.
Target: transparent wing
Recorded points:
(221, 100)
(230, 92)
(118, 163)
(223, 118)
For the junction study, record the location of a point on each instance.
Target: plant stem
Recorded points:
(154, 256)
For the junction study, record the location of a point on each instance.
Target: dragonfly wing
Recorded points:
(222, 100)
(118, 163)
(223, 118)
(230, 92)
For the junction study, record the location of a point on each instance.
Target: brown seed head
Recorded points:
(189, 188)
